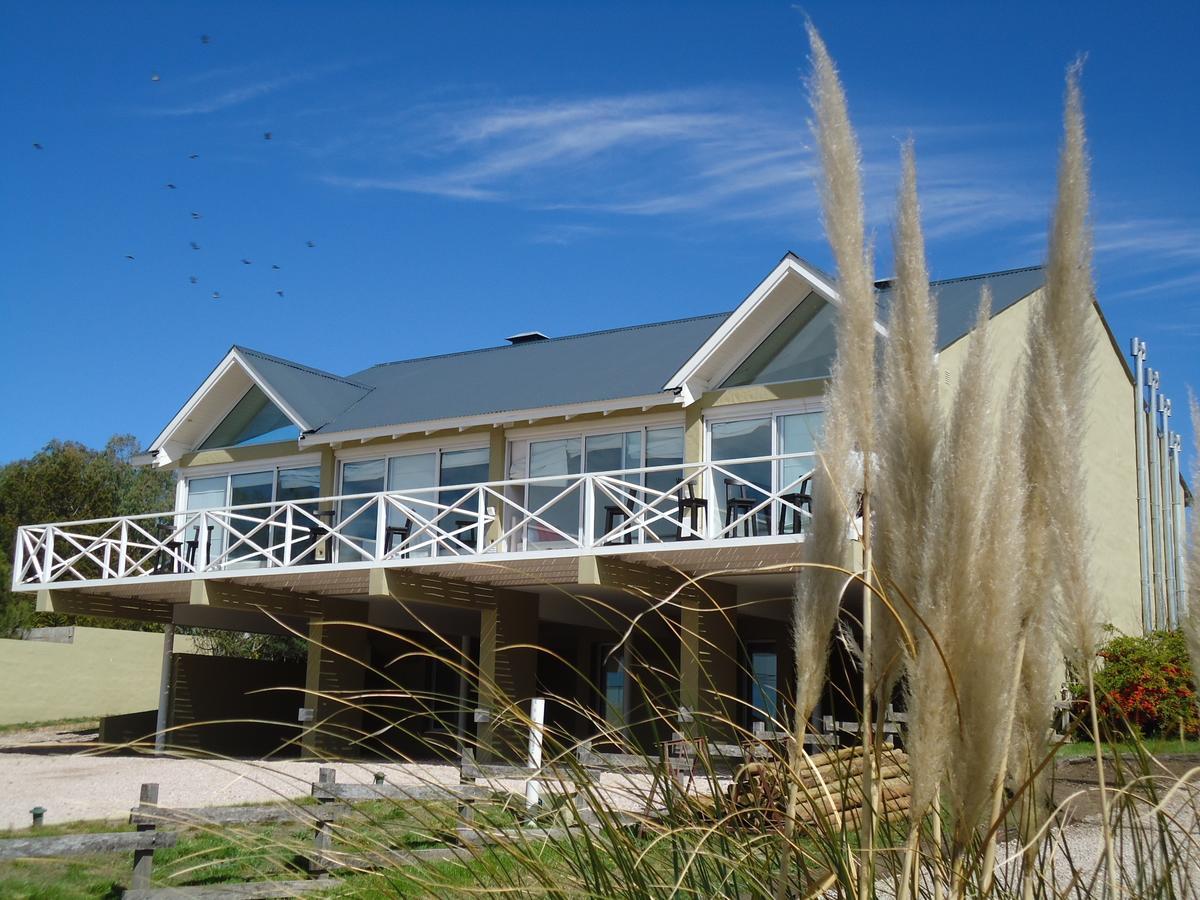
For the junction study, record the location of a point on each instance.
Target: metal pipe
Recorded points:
(1138, 351)
(1168, 518)
(1160, 590)
(1181, 586)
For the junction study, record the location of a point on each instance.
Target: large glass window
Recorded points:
(254, 420)
(546, 460)
(798, 433)
(269, 486)
(747, 484)
(359, 477)
(419, 475)
(614, 684)
(609, 453)
(802, 346)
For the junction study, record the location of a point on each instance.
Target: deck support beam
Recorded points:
(79, 603)
(227, 595)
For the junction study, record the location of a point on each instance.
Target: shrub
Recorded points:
(1145, 686)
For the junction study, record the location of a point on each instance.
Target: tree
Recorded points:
(67, 481)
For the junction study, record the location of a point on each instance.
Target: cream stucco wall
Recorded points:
(1107, 454)
(103, 671)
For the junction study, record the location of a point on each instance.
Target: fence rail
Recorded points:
(655, 505)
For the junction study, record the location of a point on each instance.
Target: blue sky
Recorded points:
(466, 172)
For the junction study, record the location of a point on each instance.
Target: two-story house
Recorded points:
(540, 492)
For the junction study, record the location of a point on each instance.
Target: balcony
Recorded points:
(707, 508)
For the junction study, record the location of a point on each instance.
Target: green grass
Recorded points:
(1154, 746)
(91, 721)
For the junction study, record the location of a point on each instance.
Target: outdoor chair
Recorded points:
(738, 504)
(692, 506)
(611, 514)
(391, 532)
(314, 534)
(167, 560)
(792, 503)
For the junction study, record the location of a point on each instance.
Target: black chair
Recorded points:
(790, 506)
(318, 531)
(692, 506)
(167, 560)
(396, 531)
(192, 546)
(466, 536)
(611, 513)
(738, 505)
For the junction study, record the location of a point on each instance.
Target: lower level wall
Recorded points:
(234, 707)
(88, 672)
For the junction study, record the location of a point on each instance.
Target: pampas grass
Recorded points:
(909, 425)
(1191, 619)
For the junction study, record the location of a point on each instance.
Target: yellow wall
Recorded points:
(1107, 455)
(103, 671)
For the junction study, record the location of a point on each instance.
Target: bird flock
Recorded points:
(196, 216)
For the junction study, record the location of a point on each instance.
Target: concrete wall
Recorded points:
(101, 671)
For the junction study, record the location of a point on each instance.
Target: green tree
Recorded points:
(67, 481)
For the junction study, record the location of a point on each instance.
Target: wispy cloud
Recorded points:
(229, 98)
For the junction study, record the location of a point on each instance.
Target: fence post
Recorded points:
(537, 728)
(322, 838)
(466, 809)
(143, 860)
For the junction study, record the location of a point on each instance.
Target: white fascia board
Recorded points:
(495, 419)
(685, 382)
(166, 450)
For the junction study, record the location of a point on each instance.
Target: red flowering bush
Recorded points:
(1145, 687)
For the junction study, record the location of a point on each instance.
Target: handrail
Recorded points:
(481, 518)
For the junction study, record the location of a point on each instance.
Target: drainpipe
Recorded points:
(1181, 587)
(1156, 481)
(1164, 455)
(1138, 351)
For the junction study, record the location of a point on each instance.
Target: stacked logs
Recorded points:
(830, 790)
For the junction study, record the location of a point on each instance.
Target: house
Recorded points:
(541, 492)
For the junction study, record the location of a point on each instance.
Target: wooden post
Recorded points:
(143, 860)
(537, 727)
(466, 810)
(322, 839)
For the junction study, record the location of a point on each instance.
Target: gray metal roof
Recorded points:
(592, 367)
(958, 298)
(601, 365)
(316, 396)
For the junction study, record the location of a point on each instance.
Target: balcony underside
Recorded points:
(341, 589)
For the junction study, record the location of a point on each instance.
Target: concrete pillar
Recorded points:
(337, 656)
(507, 672)
(164, 689)
(708, 655)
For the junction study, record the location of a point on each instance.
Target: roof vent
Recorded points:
(526, 337)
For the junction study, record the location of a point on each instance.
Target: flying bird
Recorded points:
(311, 243)
(154, 76)
(279, 293)
(266, 135)
(246, 262)
(193, 279)
(196, 215)
(193, 156)
(195, 246)
(216, 295)
(275, 267)
(204, 39)
(127, 256)
(37, 146)
(171, 186)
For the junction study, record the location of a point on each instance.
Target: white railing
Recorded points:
(657, 505)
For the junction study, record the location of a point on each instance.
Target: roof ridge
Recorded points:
(301, 367)
(890, 280)
(553, 340)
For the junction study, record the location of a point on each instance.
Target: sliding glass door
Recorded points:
(557, 461)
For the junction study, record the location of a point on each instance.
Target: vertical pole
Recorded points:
(164, 689)
(1138, 352)
(1181, 584)
(48, 553)
(1168, 520)
(1160, 608)
(537, 728)
(143, 860)
(465, 666)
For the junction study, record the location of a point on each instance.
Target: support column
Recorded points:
(708, 655)
(508, 633)
(164, 689)
(338, 654)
